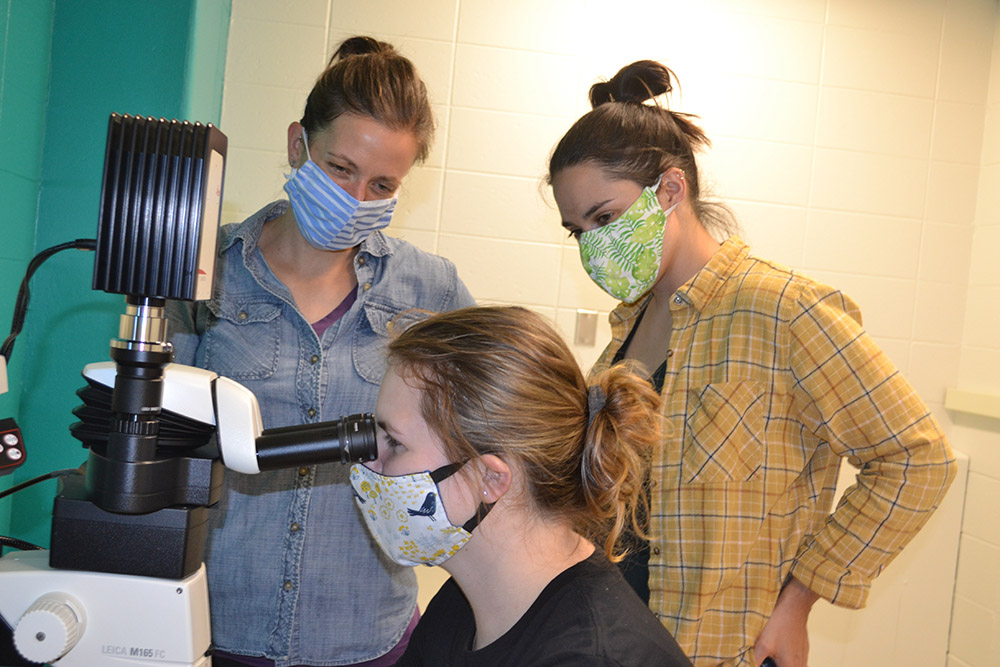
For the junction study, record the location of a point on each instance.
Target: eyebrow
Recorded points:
(593, 209)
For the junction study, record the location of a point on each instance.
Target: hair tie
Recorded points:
(595, 402)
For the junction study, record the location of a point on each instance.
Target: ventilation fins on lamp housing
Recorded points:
(160, 204)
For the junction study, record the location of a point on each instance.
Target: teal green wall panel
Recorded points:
(25, 37)
(206, 62)
(25, 72)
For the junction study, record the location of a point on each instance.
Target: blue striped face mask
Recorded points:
(327, 216)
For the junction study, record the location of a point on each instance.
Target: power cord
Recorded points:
(24, 294)
(21, 545)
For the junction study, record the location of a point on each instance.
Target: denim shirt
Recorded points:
(293, 572)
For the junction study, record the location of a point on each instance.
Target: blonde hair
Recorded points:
(500, 380)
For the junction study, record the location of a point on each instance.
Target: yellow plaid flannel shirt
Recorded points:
(770, 379)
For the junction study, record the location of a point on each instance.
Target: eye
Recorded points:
(338, 168)
(385, 440)
(383, 189)
(604, 218)
(574, 233)
(392, 443)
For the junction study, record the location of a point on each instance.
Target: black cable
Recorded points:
(13, 542)
(23, 294)
(68, 472)
(20, 545)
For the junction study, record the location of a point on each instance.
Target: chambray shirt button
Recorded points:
(243, 315)
(361, 261)
(288, 586)
(303, 472)
(313, 359)
(294, 527)
(311, 412)
(367, 286)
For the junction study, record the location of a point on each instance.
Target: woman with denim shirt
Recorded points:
(305, 293)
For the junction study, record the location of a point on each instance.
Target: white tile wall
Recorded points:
(975, 635)
(857, 140)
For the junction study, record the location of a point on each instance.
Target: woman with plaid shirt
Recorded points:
(768, 380)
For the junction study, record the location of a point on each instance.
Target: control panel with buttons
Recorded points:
(11, 446)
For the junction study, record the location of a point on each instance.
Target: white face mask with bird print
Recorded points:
(623, 256)
(406, 516)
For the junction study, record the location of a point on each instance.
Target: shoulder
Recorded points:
(767, 288)
(590, 611)
(412, 277)
(404, 257)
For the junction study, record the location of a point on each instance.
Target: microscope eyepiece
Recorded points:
(347, 440)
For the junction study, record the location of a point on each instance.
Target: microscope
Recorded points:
(123, 582)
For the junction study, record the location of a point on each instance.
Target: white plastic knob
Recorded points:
(49, 628)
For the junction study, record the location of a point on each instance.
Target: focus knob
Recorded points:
(49, 628)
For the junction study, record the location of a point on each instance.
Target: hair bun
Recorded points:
(641, 81)
(359, 46)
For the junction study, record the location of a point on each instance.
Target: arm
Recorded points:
(785, 638)
(185, 324)
(853, 398)
(461, 297)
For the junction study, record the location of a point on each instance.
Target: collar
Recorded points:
(699, 290)
(702, 286)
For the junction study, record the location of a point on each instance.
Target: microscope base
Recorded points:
(117, 620)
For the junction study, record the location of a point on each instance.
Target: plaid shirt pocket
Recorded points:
(723, 441)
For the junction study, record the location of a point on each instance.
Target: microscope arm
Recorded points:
(209, 398)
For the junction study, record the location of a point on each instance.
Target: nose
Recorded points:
(356, 190)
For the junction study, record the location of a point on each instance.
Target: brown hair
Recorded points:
(370, 78)
(638, 141)
(500, 380)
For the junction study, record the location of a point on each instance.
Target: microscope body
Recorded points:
(128, 589)
(124, 581)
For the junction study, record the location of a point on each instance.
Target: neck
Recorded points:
(283, 245)
(684, 255)
(510, 559)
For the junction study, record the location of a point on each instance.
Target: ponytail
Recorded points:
(623, 429)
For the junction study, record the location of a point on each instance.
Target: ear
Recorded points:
(296, 150)
(497, 478)
(673, 187)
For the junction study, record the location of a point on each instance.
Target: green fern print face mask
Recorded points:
(623, 256)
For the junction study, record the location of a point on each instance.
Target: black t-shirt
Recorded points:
(586, 616)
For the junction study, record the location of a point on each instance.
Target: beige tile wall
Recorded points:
(975, 634)
(857, 140)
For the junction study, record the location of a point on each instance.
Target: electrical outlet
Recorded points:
(586, 328)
